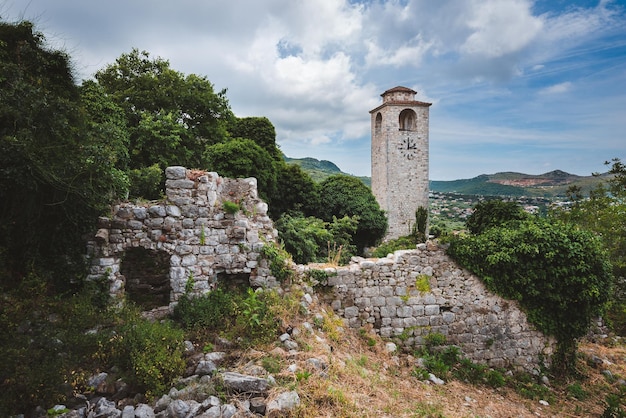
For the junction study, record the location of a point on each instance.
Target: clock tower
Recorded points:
(400, 158)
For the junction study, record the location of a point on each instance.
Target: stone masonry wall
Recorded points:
(191, 225)
(383, 294)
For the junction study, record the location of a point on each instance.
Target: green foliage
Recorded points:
(421, 222)
(258, 129)
(243, 315)
(490, 213)
(388, 247)
(242, 158)
(62, 151)
(295, 192)
(230, 207)
(560, 275)
(303, 238)
(575, 390)
(272, 364)
(278, 260)
(434, 339)
(46, 347)
(146, 182)
(151, 353)
(311, 239)
(604, 213)
(342, 195)
(209, 312)
(170, 117)
(422, 283)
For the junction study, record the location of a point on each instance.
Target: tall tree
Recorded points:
(59, 150)
(604, 213)
(171, 118)
(258, 129)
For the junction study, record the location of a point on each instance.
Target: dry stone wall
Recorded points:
(405, 296)
(413, 293)
(199, 237)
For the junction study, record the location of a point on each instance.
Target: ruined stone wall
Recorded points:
(200, 238)
(384, 295)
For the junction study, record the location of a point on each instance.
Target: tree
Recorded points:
(342, 195)
(241, 158)
(295, 192)
(171, 118)
(492, 213)
(61, 147)
(560, 274)
(258, 129)
(604, 213)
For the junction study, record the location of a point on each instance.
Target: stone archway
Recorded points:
(147, 277)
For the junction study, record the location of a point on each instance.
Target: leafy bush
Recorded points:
(403, 243)
(151, 353)
(492, 213)
(210, 311)
(146, 182)
(560, 275)
(278, 260)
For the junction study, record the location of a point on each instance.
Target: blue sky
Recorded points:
(516, 85)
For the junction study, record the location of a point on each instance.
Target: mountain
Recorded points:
(320, 169)
(552, 184)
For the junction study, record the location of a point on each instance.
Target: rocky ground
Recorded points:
(319, 369)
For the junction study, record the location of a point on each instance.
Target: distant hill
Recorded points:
(552, 184)
(320, 169)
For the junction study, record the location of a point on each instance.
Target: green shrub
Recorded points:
(149, 353)
(257, 321)
(146, 182)
(559, 273)
(211, 311)
(402, 243)
(278, 259)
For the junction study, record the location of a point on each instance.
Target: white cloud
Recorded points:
(557, 88)
(500, 27)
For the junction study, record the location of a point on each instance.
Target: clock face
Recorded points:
(408, 148)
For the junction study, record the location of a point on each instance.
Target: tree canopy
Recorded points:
(60, 148)
(342, 195)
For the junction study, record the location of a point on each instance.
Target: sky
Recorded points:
(515, 85)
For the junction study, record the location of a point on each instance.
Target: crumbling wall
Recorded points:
(413, 293)
(201, 238)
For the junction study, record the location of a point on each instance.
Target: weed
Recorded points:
(317, 277)
(271, 364)
(202, 235)
(575, 390)
(334, 254)
(302, 375)
(230, 207)
(422, 283)
(434, 339)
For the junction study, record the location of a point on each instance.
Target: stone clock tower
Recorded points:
(400, 158)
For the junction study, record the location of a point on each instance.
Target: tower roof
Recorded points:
(400, 96)
(400, 89)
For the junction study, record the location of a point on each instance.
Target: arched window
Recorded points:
(407, 120)
(378, 124)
